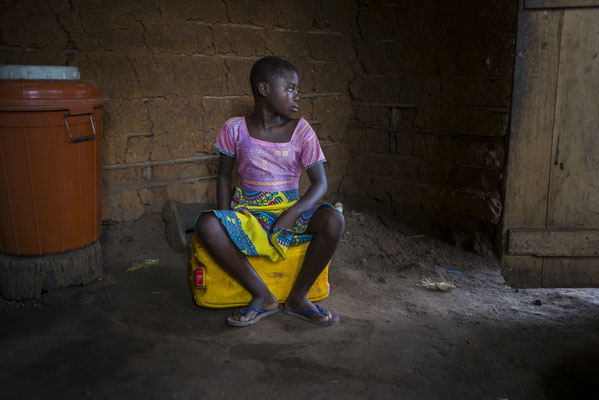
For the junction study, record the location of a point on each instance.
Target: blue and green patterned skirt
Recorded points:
(250, 222)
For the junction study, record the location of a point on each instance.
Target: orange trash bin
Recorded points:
(50, 165)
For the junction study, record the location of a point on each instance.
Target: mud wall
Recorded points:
(431, 110)
(409, 98)
(176, 70)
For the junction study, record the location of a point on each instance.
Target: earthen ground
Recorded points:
(138, 334)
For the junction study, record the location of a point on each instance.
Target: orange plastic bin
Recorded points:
(50, 165)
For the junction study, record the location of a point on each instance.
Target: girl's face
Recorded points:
(284, 93)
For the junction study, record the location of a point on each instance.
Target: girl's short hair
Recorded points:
(267, 68)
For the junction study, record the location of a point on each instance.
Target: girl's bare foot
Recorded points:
(310, 312)
(249, 312)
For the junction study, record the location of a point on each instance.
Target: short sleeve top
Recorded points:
(268, 166)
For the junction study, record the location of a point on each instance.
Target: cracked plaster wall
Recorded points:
(414, 94)
(431, 107)
(176, 70)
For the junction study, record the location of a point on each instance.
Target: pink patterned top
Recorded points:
(268, 166)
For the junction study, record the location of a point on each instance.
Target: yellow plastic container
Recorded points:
(220, 290)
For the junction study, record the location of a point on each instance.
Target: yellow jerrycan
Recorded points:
(213, 287)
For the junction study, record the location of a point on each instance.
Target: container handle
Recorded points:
(80, 139)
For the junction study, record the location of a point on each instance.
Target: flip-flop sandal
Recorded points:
(242, 311)
(305, 315)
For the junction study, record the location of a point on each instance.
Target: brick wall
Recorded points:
(409, 98)
(176, 70)
(431, 109)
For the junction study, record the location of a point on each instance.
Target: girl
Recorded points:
(270, 147)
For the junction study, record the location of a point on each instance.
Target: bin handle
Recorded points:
(80, 139)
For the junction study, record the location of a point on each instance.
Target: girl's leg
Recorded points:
(327, 225)
(220, 246)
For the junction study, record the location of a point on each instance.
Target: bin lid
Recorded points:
(38, 72)
(49, 94)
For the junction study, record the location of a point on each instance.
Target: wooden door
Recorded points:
(551, 214)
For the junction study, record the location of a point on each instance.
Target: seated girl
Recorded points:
(271, 147)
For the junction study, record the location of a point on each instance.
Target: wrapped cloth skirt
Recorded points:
(250, 222)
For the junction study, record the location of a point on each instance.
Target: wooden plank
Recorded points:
(535, 272)
(531, 126)
(570, 272)
(560, 3)
(522, 271)
(554, 243)
(574, 183)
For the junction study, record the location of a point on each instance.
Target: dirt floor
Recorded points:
(138, 334)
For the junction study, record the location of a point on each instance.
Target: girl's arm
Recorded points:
(317, 189)
(223, 182)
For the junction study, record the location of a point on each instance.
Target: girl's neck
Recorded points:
(266, 119)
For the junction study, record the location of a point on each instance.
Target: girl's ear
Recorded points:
(263, 88)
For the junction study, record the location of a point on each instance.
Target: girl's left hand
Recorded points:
(285, 221)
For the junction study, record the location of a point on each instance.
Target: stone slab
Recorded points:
(24, 277)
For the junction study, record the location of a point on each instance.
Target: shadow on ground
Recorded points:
(139, 335)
